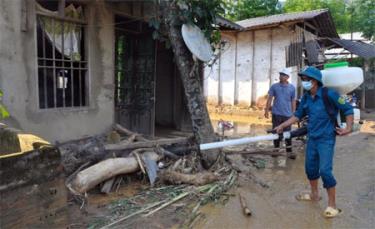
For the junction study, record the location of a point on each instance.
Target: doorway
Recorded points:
(149, 93)
(134, 75)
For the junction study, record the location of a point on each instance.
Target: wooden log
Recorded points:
(167, 153)
(148, 144)
(123, 130)
(107, 186)
(244, 207)
(194, 179)
(104, 170)
(92, 150)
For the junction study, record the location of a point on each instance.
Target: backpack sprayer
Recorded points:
(337, 76)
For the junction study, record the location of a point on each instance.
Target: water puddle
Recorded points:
(242, 128)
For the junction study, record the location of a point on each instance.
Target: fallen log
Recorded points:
(93, 151)
(194, 179)
(244, 207)
(123, 130)
(104, 170)
(148, 144)
(74, 155)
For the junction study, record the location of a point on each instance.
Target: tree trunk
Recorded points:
(104, 170)
(189, 73)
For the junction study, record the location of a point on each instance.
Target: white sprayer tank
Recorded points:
(343, 79)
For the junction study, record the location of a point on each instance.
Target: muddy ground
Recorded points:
(273, 205)
(276, 206)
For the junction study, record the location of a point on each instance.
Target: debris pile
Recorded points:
(172, 166)
(96, 159)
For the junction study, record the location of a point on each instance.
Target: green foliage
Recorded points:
(364, 17)
(357, 62)
(3, 111)
(202, 13)
(339, 10)
(244, 9)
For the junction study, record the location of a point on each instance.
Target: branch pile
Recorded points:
(98, 160)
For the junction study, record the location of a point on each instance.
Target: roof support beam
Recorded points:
(311, 27)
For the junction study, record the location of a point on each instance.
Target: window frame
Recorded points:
(86, 74)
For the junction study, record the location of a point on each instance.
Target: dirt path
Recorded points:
(276, 207)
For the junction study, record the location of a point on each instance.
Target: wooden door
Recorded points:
(135, 82)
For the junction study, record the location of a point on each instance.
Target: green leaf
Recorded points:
(3, 112)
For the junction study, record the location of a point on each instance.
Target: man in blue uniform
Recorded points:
(321, 135)
(284, 104)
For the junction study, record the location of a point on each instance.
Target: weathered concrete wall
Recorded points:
(211, 82)
(244, 70)
(18, 74)
(228, 69)
(262, 65)
(249, 65)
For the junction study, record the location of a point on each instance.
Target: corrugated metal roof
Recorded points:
(356, 47)
(267, 20)
(321, 19)
(227, 24)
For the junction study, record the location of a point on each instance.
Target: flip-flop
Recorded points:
(306, 197)
(331, 212)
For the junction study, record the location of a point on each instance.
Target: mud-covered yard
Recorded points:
(270, 195)
(268, 185)
(276, 206)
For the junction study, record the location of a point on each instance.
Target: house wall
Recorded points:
(18, 74)
(249, 63)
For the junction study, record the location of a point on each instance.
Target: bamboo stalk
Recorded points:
(133, 214)
(182, 195)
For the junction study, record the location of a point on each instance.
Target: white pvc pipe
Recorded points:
(240, 141)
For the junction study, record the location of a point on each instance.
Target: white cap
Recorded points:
(286, 71)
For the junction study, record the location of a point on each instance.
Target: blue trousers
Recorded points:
(319, 160)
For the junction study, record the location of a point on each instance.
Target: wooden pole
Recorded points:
(244, 207)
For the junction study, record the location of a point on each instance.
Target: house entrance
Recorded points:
(148, 95)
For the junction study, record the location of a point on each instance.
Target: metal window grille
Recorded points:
(62, 78)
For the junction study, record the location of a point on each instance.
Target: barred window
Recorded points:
(62, 66)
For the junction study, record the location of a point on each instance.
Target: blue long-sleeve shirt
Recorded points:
(320, 124)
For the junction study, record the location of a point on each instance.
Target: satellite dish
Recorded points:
(197, 42)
